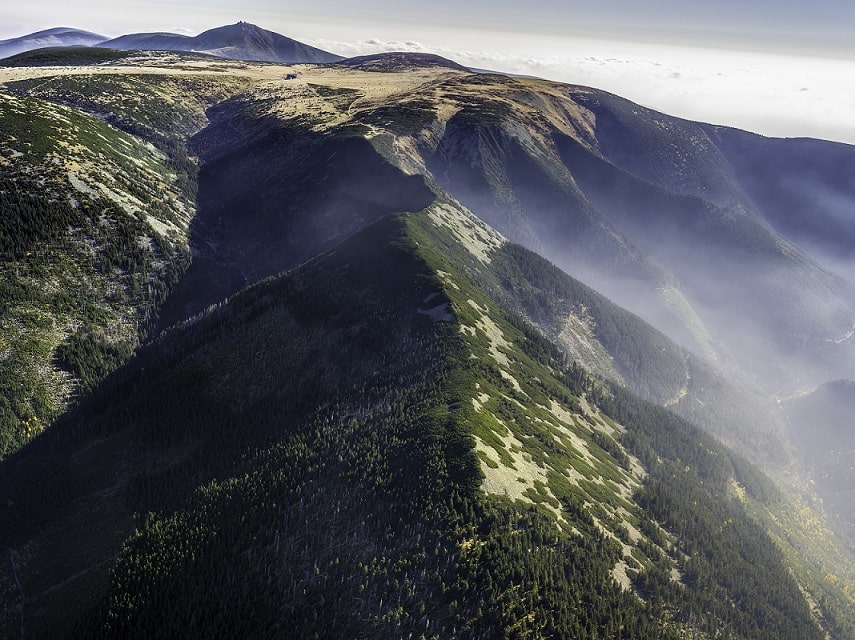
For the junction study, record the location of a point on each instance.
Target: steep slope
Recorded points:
(644, 206)
(617, 345)
(97, 203)
(256, 216)
(94, 232)
(646, 209)
(265, 146)
(667, 184)
(259, 212)
(241, 41)
(802, 187)
(399, 375)
(395, 456)
(822, 426)
(56, 37)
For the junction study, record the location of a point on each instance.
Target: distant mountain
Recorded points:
(56, 37)
(399, 61)
(241, 41)
(803, 187)
(150, 41)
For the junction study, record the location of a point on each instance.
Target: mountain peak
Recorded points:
(239, 41)
(238, 34)
(239, 27)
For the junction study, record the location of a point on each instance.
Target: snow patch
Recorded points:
(516, 385)
(163, 228)
(480, 401)
(620, 575)
(446, 278)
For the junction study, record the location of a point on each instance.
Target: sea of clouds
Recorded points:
(772, 94)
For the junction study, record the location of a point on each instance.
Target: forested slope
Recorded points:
(336, 450)
(401, 435)
(92, 237)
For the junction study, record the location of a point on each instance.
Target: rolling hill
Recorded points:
(56, 37)
(322, 368)
(241, 41)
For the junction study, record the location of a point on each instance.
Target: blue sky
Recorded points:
(780, 67)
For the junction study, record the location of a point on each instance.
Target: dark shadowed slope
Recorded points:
(97, 197)
(64, 56)
(803, 187)
(150, 41)
(260, 208)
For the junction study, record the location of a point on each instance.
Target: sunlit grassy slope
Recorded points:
(97, 193)
(94, 232)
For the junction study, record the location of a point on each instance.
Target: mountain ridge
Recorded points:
(422, 128)
(240, 41)
(399, 60)
(401, 377)
(393, 262)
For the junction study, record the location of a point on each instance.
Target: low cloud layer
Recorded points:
(775, 95)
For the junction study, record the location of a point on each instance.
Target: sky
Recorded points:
(777, 67)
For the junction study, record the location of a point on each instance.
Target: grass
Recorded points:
(571, 475)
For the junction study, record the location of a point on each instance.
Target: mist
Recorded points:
(720, 239)
(821, 423)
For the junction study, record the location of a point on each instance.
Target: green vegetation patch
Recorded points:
(66, 56)
(92, 238)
